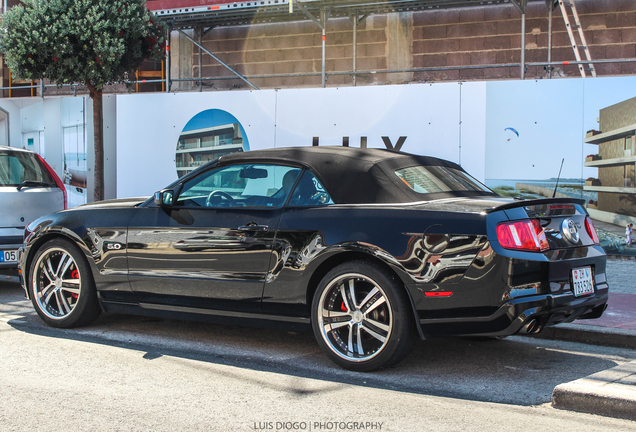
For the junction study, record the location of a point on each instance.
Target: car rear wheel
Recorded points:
(361, 317)
(61, 285)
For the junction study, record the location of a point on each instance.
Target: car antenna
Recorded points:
(558, 177)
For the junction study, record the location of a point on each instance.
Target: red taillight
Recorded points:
(591, 231)
(525, 235)
(56, 179)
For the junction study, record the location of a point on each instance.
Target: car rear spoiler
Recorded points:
(534, 202)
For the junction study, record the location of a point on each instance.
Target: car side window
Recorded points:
(309, 192)
(245, 185)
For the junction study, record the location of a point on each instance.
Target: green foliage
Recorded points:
(96, 42)
(507, 191)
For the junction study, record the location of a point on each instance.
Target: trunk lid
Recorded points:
(28, 188)
(563, 219)
(19, 207)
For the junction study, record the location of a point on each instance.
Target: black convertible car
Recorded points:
(367, 247)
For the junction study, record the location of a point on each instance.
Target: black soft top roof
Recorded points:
(351, 175)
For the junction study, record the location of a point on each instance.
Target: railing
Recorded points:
(187, 146)
(75, 87)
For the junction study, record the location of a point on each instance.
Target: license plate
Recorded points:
(582, 283)
(8, 256)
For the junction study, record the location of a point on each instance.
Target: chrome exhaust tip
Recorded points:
(531, 327)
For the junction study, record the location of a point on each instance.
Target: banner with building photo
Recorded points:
(516, 136)
(75, 153)
(176, 133)
(209, 135)
(579, 131)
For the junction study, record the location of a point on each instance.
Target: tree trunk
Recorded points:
(96, 96)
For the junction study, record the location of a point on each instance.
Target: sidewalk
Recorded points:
(620, 313)
(611, 392)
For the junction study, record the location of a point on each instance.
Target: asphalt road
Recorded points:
(137, 374)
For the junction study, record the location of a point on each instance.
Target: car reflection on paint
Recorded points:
(368, 248)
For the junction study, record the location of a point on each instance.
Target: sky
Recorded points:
(552, 117)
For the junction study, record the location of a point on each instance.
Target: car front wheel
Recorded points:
(361, 317)
(61, 285)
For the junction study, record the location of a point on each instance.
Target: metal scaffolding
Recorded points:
(231, 13)
(203, 16)
(184, 14)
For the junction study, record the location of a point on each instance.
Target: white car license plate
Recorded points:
(582, 283)
(8, 256)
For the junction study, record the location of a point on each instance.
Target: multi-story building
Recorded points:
(616, 184)
(200, 146)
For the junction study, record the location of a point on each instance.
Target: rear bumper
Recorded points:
(519, 293)
(523, 315)
(23, 272)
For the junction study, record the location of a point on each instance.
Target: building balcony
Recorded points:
(611, 189)
(612, 135)
(611, 162)
(211, 149)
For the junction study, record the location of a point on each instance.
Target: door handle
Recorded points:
(254, 227)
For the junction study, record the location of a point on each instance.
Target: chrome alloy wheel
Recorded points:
(354, 315)
(56, 283)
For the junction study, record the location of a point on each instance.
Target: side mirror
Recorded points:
(164, 198)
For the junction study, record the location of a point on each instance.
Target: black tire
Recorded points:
(375, 333)
(61, 285)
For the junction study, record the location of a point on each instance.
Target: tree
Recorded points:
(94, 42)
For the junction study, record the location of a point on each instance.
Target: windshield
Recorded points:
(17, 167)
(435, 179)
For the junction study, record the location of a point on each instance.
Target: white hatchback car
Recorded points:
(29, 188)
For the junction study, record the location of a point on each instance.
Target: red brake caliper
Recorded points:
(75, 275)
(343, 307)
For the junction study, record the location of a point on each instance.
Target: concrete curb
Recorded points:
(617, 257)
(594, 335)
(610, 393)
